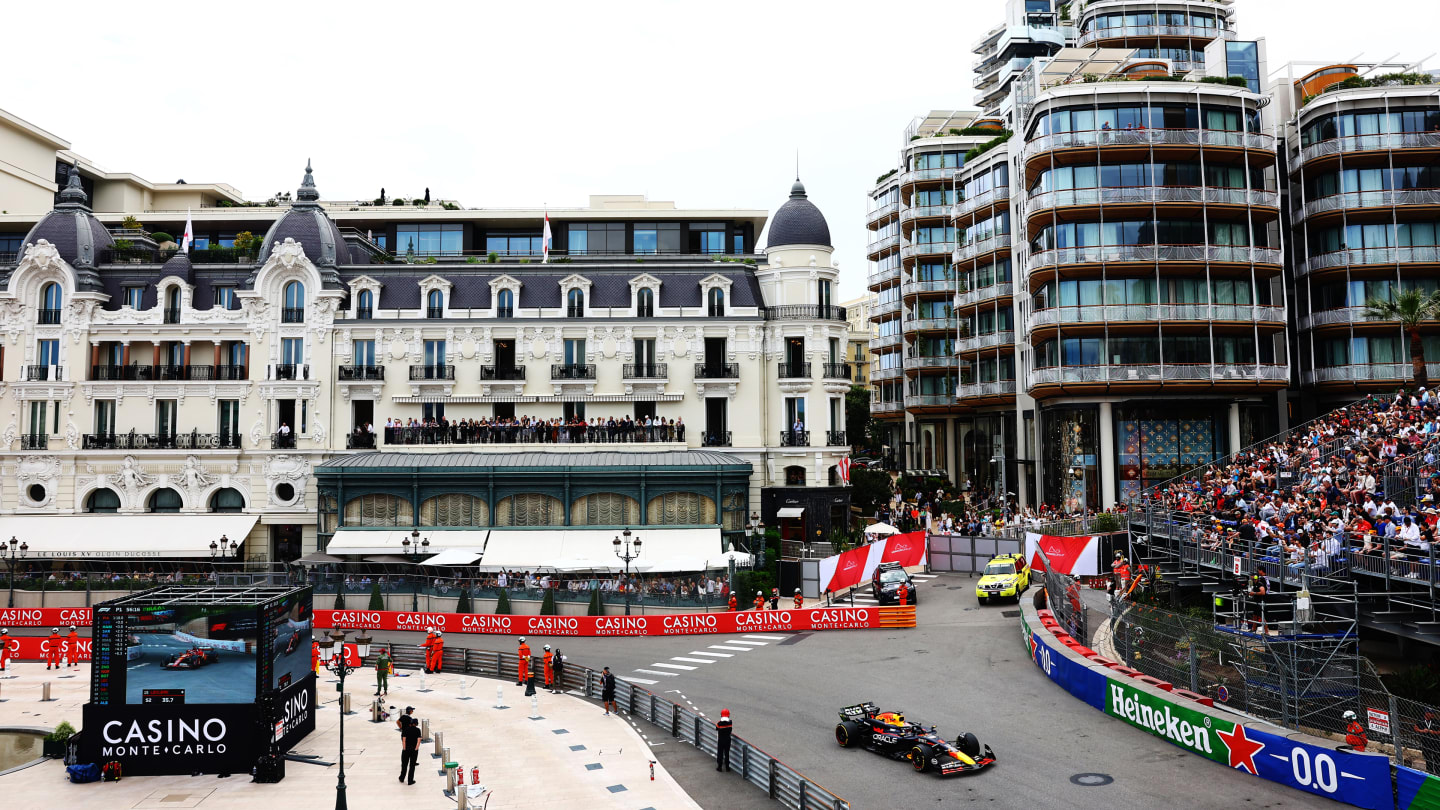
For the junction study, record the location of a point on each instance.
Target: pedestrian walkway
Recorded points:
(570, 756)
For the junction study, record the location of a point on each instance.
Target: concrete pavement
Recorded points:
(573, 756)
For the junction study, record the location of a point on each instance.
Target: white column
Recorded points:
(1106, 451)
(1234, 427)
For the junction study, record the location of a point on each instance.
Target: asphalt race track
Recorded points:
(297, 662)
(231, 679)
(964, 668)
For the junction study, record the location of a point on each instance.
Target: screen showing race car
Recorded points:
(291, 627)
(206, 651)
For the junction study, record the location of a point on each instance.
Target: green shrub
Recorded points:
(1107, 522)
(886, 176)
(62, 732)
(377, 602)
(161, 237)
(547, 603)
(524, 261)
(597, 607)
(472, 259)
(492, 257)
(430, 260)
(124, 244)
(449, 206)
(502, 605)
(379, 200)
(987, 146)
(131, 223)
(464, 605)
(419, 201)
(398, 202)
(340, 598)
(247, 241)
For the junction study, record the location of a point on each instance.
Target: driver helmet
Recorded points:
(1349, 715)
(797, 590)
(759, 593)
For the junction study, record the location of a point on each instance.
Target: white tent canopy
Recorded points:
(158, 536)
(454, 556)
(881, 529)
(594, 549)
(391, 541)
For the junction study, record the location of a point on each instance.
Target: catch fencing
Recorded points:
(780, 782)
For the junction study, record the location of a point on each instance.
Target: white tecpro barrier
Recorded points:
(233, 646)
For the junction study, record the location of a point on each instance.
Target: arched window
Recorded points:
(164, 500)
(575, 304)
(50, 303)
(505, 304)
(645, 303)
(680, 508)
(716, 301)
(103, 501)
(294, 311)
(794, 476)
(530, 509)
(435, 304)
(365, 305)
(172, 305)
(228, 499)
(835, 476)
(604, 509)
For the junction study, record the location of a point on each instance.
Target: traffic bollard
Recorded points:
(499, 697)
(462, 799)
(45, 692)
(462, 688)
(425, 730)
(449, 777)
(439, 743)
(345, 703)
(422, 680)
(375, 709)
(534, 707)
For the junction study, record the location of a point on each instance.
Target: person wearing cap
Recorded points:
(426, 646)
(72, 648)
(52, 649)
(607, 691)
(759, 600)
(799, 599)
(723, 731)
(382, 672)
(437, 652)
(549, 669)
(409, 745)
(523, 669)
(4, 648)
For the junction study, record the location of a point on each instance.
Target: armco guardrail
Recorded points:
(780, 782)
(1189, 721)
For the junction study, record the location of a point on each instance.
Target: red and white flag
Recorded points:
(845, 469)
(545, 241)
(189, 233)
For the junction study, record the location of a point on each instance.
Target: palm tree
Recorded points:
(1410, 308)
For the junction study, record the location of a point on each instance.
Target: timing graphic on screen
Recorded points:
(206, 651)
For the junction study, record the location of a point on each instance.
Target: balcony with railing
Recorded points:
(931, 324)
(930, 361)
(835, 371)
(47, 317)
(282, 440)
(1341, 316)
(34, 441)
(364, 313)
(172, 315)
(1102, 314)
(882, 244)
(914, 212)
(1362, 200)
(883, 277)
(193, 440)
(794, 438)
(998, 196)
(498, 373)
(887, 407)
(969, 298)
(1214, 254)
(288, 371)
(1124, 32)
(432, 372)
(792, 371)
(882, 342)
(644, 371)
(1367, 257)
(717, 371)
(884, 374)
(999, 389)
(835, 438)
(912, 249)
(147, 255)
(292, 315)
(1383, 373)
(363, 440)
(928, 175)
(1092, 138)
(946, 286)
(715, 438)
(44, 373)
(572, 371)
(974, 343)
(361, 373)
(1046, 201)
(981, 247)
(881, 213)
(805, 312)
(1274, 375)
(884, 308)
(930, 401)
(1369, 143)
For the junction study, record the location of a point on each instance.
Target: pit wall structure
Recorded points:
(1192, 722)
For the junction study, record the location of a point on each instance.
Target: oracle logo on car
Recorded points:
(484, 624)
(689, 624)
(620, 626)
(839, 618)
(355, 619)
(406, 621)
(16, 617)
(553, 625)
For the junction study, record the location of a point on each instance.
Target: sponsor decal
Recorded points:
(552, 625)
(832, 618)
(841, 619)
(1196, 732)
(45, 617)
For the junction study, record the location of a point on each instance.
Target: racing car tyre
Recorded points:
(968, 744)
(846, 733)
(920, 758)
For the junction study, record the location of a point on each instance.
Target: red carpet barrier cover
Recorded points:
(857, 565)
(34, 648)
(1362, 780)
(745, 621)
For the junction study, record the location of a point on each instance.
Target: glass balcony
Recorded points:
(880, 277)
(925, 175)
(1152, 195)
(885, 341)
(886, 308)
(882, 244)
(973, 297)
(931, 325)
(982, 247)
(916, 361)
(1370, 143)
(1091, 138)
(1238, 254)
(1360, 200)
(881, 213)
(883, 374)
(946, 286)
(930, 400)
(1155, 373)
(924, 211)
(1100, 314)
(908, 249)
(1367, 256)
(1089, 38)
(988, 341)
(1329, 317)
(994, 197)
(1367, 372)
(1000, 388)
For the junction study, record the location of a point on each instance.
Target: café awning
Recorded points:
(153, 536)
(791, 512)
(392, 541)
(454, 556)
(555, 549)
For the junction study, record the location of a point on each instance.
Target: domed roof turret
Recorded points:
(798, 222)
(76, 234)
(307, 223)
(178, 265)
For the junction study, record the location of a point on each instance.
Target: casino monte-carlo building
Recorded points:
(1144, 250)
(312, 371)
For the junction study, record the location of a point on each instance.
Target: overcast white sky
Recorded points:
(529, 104)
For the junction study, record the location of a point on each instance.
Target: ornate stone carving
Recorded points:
(132, 480)
(194, 479)
(36, 469)
(288, 254)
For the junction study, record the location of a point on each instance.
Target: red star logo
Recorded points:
(1242, 750)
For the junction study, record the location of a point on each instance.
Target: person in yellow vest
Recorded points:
(315, 657)
(72, 648)
(799, 600)
(524, 668)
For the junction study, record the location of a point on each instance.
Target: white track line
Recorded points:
(673, 666)
(657, 672)
(715, 655)
(693, 660)
(925, 576)
(632, 679)
(750, 643)
(731, 649)
(768, 638)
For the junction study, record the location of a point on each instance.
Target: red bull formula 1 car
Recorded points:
(193, 658)
(887, 733)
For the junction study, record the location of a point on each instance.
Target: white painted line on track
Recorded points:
(716, 655)
(673, 666)
(731, 649)
(768, 638)
(657, 672)
(632, 679)
(693, 660)
(925, 576)
(749, 643)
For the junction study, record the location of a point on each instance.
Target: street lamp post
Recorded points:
(757, 540)
(332, 652)
(12, 551)
(222, 551)
(412, 547)
(625, 553)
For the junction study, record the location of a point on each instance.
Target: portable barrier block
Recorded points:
(1046, 615)
(1105, 662)
(1124, 670)
(1198, 698)
(1155, 682)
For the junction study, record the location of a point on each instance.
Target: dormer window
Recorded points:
(365, 305)
(435, 304)
(575, 304)
(51, 298)
(645, 303)
(505, 304)
(135, 297)
(294, 310)
(172, 305)
(715, 303)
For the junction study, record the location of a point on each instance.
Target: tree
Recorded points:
(464, 605)
(246, 241)
(1410, 308)
(869, 488)
(340, 598)
(502, 605)
(597, 607)
(377, 602)
(547, 603)
(857, 419)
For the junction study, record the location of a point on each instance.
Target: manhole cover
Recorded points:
(1010, 614)
(1091, 779)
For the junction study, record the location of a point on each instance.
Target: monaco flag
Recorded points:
(1076, 556)
(545, 241)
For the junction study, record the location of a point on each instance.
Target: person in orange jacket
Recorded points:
(72, 648)
(426, 646)
(759, 600)
(315, 657)
(52, 649)
(4, 648)
(549, 670)
(524, 668)
(437, 652)
(1354, 732)
(734, 603)
(799, 599)
(904, 594)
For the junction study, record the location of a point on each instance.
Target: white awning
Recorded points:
(791, 512)
(158, 536)
(454, 556)
(685, 549)
(391, 541)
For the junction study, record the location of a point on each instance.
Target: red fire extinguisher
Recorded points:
(652, 770)
(459, 776)
(475, 775)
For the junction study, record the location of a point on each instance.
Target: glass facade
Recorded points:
(430, 239)
(1068, 458)
(1158, 442)
(1243, 59)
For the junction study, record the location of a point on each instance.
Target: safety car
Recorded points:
(1005, 577)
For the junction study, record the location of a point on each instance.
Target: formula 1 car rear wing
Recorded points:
(859, 711)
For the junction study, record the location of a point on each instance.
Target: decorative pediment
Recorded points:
(716, 280)
(357, 285)
(505, 282)
(642, 281)
(434, 282)
(574, 281)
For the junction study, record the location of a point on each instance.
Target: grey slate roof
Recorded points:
(609, 288)
(798, 222)
(707, 459)
(76, 234)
